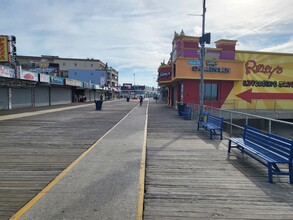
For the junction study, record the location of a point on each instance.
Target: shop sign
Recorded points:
(26, 75)
(87, 85)
(212, 69)
(252, 66)
(73, 82)
(194, 62)
(4, 53)
(19, 83)
(46, 70)
(57, 80)
(164, 74)
(211, 63)
(44, 63)
(44, 78)
(127, 86)
(7, 72)
(211, 66)
(267, 83)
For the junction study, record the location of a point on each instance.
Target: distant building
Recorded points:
(132, 91)
(57, 66)
(94, 76)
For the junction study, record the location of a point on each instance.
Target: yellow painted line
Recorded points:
(140, 202)
(34, 200)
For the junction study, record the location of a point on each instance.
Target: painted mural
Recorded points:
(267, 82)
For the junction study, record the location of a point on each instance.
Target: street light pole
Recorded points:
(134, 79)
(134, 84)
(201, 86)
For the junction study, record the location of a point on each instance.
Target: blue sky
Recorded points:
(135, 36)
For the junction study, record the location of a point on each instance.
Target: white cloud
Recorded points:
(134, 36)
(286, 47)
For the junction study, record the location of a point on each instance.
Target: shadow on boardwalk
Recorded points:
(189, 176)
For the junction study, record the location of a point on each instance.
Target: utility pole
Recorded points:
(201, 86)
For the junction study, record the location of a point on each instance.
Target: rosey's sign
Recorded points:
(252, 66)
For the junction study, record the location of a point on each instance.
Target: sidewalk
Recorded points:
(104, 183)
(188, 176)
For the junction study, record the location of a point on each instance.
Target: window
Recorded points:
(75, 64)
(63, 64)
(92, 65)
(210, 91)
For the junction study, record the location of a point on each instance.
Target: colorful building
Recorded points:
(239, 80)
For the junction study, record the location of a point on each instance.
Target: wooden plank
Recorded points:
(34, 150)
(190, 177)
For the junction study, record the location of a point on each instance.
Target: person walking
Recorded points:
(140, 100)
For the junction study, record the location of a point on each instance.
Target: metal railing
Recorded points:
(255, 104)
(235, 121)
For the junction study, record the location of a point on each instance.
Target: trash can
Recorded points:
(203, 117)
(98, 104)
(181, 107)
(127, 99)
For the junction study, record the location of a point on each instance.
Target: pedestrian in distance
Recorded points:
(140, 100)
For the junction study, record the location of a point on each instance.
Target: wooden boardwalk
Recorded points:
(190, 177)
(35, 149)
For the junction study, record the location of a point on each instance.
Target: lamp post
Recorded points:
(134, 84)
(134, 79)
(201, 86)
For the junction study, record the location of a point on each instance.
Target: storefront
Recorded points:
(31, 89)
(232, 79)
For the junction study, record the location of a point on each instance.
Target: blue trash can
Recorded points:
(98, 104)
(181, 107)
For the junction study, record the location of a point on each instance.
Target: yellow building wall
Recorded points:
(267, 82)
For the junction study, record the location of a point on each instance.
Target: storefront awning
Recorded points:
(115, 90)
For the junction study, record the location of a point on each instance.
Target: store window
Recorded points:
(210, 91)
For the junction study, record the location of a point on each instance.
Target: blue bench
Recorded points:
(213, 124)
(269, 149)
(187, 113)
